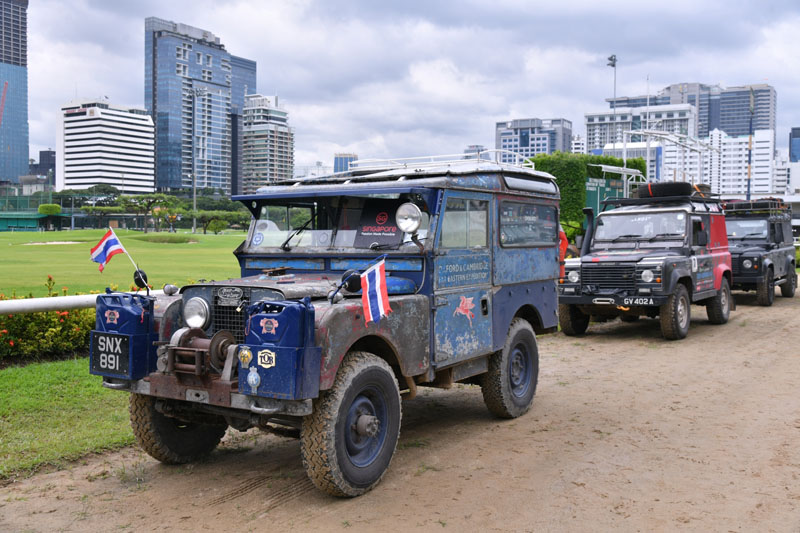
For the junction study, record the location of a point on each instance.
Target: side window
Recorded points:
(699, 227)
(465, 223)
(527, 224)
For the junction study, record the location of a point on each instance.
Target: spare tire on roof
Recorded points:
(672, 188)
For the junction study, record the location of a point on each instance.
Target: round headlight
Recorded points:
(408, 217)
(747, 263)
(647, 276)
(195, 313)
(574, 276)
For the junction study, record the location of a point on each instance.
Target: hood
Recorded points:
(627, 256)
(292, 286)
(738, 247)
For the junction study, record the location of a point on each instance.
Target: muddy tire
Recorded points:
(676, 314)
(790, 285)
(510, 384)
(170, 440)
(348, 441)
(572, 320)
(719, 308)
(765, 291)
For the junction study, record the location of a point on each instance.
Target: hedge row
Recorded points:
(39, 336)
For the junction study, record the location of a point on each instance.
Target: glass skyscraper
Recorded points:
(794, 145)
(194, 90)
(13, 89)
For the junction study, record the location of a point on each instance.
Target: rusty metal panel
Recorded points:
(462, 325)
(406, 332)
(517, 265)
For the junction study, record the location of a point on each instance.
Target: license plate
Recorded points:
(110, 353)
(637, 301)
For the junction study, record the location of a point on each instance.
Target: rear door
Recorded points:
(462, 280)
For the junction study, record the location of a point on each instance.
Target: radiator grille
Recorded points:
(609, 276)
(226, 317)
(736, 268)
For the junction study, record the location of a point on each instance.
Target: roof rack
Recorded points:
(770, 206)
(695, 198)
(494, 156)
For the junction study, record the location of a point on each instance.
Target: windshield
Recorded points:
(746, 228)
(640, 228)
(340, 222)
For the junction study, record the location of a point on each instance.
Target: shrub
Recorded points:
(48, 335)
(168, 238)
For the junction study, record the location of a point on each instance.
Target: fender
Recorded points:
(678, 273)
(719, 272)
(766, 265)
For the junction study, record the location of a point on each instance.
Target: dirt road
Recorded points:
(628, 432)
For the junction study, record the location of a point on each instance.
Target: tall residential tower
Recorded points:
(267, 143)
(195, 91)
(13, 89)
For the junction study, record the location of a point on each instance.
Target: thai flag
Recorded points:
(374, 296)
(108, 247)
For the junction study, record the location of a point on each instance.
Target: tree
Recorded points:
(49, 210)
(143, 204)
(101, 212)
(103, 194)
(217, 225)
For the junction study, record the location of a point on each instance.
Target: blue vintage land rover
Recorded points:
(471, 257)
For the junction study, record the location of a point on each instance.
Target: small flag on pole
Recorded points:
(374, 296)
(108, 247)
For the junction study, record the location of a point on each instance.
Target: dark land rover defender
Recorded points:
(298, 345)
(762, 251)
(652, 256)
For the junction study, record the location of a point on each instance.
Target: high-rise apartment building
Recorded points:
(13, 89)
(726, 109)
(102, 144)
(794, 145)
(341, 162)
(267, 143)
(606, 127)
(530, 136)
(578, 145)
(195, 92)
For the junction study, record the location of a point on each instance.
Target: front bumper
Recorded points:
(627, 299)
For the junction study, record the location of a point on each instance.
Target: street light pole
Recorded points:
(194, 203)
(750, 142)
(612, 62)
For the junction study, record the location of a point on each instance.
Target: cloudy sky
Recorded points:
(395, 79)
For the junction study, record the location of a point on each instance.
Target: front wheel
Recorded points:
(170, 440)
(719, 309)
(510, 383)
(676, 314)
(573, 321)
(765, 290)
(348, 441)
(790, 285)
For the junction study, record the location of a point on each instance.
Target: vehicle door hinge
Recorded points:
(440, 301)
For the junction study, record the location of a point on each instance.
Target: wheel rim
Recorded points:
(683, 312)
(519, 370)
(724, 299)
(366, 428)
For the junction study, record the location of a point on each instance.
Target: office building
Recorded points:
(195, 92)
(726, 109)
(530, 136)
(13, 89)
(794, 145)
(608, 127)
(98, 143)
(46, 165)
(578, 145)
(267, 143)
(341, 162)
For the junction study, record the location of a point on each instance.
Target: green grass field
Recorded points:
(24, 267)
(55, 412)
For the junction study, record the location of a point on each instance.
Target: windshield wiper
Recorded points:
(285, 246)
(751, 234)
(657, 235)
(625, 236)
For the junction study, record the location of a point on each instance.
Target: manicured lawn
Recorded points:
(54, 412)
(24, 267)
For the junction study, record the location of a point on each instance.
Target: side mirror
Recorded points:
(578, 241)
(140, 279)
(351, 281)
(701, 239)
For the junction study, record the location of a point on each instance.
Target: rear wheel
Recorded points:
(790, 285)
(765, 291)
(348, 441)
(170, 440)
(676, 314)
(573, 321)
(509, 385)
(719, 309)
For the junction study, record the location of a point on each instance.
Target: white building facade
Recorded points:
(267, 143)
(98, 143)
(608, 126)
(578, 144)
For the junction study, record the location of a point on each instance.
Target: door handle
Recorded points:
(485, 305)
